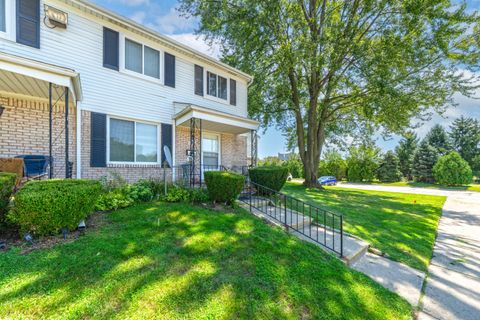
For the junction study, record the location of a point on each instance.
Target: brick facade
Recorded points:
(24, 127)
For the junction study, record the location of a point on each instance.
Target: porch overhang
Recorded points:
(29, 77)
(215, 121)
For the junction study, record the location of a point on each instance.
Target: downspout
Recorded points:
(79, 141)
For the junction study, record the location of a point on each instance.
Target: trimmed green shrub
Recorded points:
(7, 185)
(113, 200)
(389, 169)
(44, 207)
(199, 195)
(272, 177)
(225, 186)
(452, 170)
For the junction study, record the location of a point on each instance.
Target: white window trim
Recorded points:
(136, 74)
(10, 32)
(219, 137)
(159, 155)
(205, 86)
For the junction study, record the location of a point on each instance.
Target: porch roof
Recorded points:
(29, 77)
(213, 120)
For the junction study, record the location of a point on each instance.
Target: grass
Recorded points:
(471, 187)
(170, 261)
(401, 225)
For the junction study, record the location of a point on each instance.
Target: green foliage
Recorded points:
(122, 195)
(388, 170)
(437, 137)
(270, 161)
(326, 68)
(423, 161)
(362, 163)
(224, 186)
(156, 186)
(476, 166)
(44, 207)
(199, 195)
(465, 137)
(272, 177)
(7, 185)
(452, 170)
(113, 200)
(405, 152)
(294, 166)
(333, 164)
(176, 194)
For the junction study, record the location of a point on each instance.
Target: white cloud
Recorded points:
(197, 43)
(172, 22)
(139, 16)
(132, 3)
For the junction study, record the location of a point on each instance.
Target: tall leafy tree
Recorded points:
(324, 67)
(423, 161)
(389, 168)
(405, 152)
(362, 162)
(465, 137)
(437, 137)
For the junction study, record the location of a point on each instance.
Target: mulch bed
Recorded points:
(11, 237)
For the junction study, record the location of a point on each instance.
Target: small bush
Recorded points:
(113, 200)
(199, 195)
(176, 194)
(139, 192)
(44, 207)
(273, 177)
(452, 170)
(225, 186)
(7, 185)
(155, 185)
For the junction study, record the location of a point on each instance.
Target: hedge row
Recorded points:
(7, 185)
(224, 186)
(272, 177)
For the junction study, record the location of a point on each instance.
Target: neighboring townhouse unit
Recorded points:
(99, 92)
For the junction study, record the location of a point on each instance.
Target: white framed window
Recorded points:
(132, 141)
(140, 60)
(7, 21)
(217, 86)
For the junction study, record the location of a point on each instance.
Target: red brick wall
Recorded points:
(24, 127)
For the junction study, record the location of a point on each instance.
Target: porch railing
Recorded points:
(314, 223)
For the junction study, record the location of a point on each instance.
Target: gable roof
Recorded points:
(127, 23)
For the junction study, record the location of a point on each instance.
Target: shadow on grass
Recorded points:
(402, 225)
(178, 261)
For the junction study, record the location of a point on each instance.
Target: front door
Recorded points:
(210, 152)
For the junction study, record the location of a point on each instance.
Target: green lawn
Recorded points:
(471, 187)
(181, 262)
(402, 225)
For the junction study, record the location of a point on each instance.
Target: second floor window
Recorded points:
(142, 59)
(216, 86)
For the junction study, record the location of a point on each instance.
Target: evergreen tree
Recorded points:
(437, 137)
(423, 161)
(405, 152)
(389, 170)
(465, 137)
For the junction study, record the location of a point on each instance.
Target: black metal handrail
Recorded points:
(319, 225)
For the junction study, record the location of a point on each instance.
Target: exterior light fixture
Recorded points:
(55, 18)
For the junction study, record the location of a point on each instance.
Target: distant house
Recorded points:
(285, 156)
(97, 91)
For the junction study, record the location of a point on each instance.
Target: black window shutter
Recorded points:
(166, 139)
(198, 80)
(110, 49)
(28, 22)
(233, 92)
(98, 140)
(169, 70)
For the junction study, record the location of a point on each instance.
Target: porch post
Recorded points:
(67, 162)
(254, 150)
(50, 130)
(192, 151)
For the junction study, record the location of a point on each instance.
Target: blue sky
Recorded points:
(161, 15)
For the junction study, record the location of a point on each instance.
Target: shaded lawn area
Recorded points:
(402, 225)
(471, 187)
(177, 261)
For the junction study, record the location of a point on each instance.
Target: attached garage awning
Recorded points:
(213, 120)
(31, 78)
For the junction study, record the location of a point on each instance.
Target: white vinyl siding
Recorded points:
(132, 141)
(123, 94)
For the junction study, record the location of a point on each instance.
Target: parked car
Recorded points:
(327, 181)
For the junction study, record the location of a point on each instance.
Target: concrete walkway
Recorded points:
(452, 288)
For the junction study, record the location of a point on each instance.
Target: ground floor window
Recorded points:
(132, 141)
